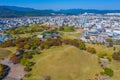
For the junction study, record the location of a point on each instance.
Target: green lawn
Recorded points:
(70, 35)
(4, 53)
(65, 63)
(26, 35)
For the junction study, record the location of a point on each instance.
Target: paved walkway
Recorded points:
(16, 70)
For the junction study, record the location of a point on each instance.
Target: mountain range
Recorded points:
(14, 11)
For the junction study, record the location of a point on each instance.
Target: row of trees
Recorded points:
(28, 29)
(37, 28)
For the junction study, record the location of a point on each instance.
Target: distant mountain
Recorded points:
(19, 8)
(13, 11)
(6, 13)
(81, 11)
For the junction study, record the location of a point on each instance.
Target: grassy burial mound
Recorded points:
(65, 63)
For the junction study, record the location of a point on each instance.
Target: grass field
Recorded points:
(114, 65)
(102, 48)
(12, 49)
(4, 53)
(116, 68)
(65, 63)
(27, 34)
(72, 35)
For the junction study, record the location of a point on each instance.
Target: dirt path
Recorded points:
(16, 70)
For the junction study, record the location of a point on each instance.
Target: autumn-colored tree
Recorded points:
(15, 59)
(61, 28)
(116, 56)
(20, 45)
(110, 42)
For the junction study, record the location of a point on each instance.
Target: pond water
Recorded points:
(1, 39)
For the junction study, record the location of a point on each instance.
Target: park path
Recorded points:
(16, 70)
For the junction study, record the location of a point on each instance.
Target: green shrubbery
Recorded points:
(26, 62)
(105, 55)
(108, 72)
(82, 46)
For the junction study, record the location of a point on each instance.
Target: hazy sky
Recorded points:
(64, 4)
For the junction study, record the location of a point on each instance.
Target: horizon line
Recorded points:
(58, 9)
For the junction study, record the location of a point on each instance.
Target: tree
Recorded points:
(20, 45)
(15, 59)
(27, 55)
(1, 71)
(26, 62)
(26, 46)
(34, 52)
(8, 43)
(116, 56)
(61, 28)
(44, 45)
(1, 68)
(110, 42)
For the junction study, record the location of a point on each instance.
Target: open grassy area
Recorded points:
(65, 63)
(102, 48)
(114, 65)
(4, 53)
(70, 35)
(12, 49)
(27, 34)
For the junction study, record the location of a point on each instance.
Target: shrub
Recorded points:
(44, 45)
(102, 73)
(109, 57)
(20, 45)
(82, 46)
(34, 52)
(27, 69)
(102, 55)
(26, 46)
(27, 55)
(27, 75)
(47, 78)
(91, 50)
(108, 72)
(8, 43)
(26, 62)
(61, 28)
